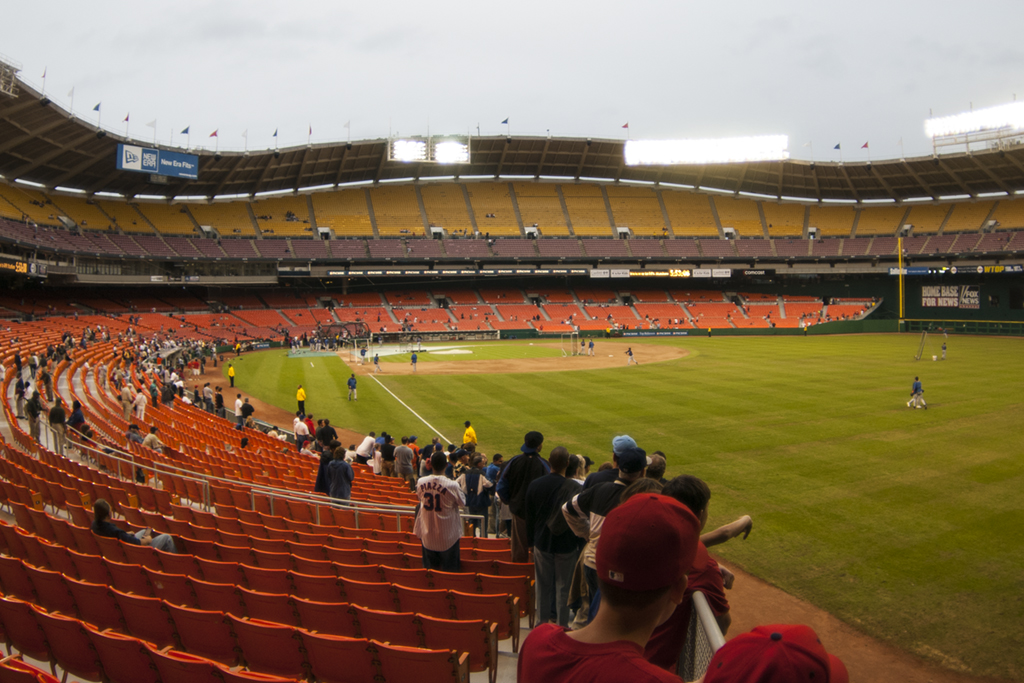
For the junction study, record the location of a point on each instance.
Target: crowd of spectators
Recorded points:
(617, 554)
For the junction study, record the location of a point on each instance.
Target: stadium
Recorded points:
(778, 309)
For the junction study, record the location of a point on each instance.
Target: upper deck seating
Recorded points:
(397, 210)
(446, 206)
(636, 208)
(834, 221)
(880, 220)
(739, 214)
(689, 213)
(229, 219)
(283, 216)
(492, 208)
(587, 211)
(168, 219)
(343, 211)
(539, 207)
(784, 220)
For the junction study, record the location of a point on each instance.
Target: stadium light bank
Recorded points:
(706, 151)
(996, 127)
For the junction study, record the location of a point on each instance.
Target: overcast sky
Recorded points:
(818, 71)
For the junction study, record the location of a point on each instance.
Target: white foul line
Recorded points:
(429, 426)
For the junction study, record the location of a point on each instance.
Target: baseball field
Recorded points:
(907, 524)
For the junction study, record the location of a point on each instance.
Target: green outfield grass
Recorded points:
(908, 524)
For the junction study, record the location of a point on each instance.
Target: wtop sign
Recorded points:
(157, 162)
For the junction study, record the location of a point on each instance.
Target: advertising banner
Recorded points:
(951, 296)
(157, 162)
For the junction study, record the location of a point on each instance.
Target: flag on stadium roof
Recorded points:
(838, 146)
(505, 121)
(864, 146)
(214, 134)
(44, 72)
(185, 132)
(97, 107)
(71, 93)
(126, 117)
(311, 129)
(626, 124)
(275, 132)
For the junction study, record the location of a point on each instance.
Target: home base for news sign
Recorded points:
(951, 296)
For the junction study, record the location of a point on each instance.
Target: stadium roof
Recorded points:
(42, 143)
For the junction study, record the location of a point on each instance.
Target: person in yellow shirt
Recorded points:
(300, 396)
(470, 436)
(231, 373)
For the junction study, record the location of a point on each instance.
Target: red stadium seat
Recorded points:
(142, 555)
(147, 619)
(268, 580)
(21, 630)
(431, 666)
(59, 559)
(90, 567)
(174, 588)
(325, 652)
(180, 667)
(319, 588)
(313, 567)
(332, 618)
(380, 596)
(171, 563)
(51, 592)
(70, 646)
(399, 628)
(276, 607)
(272, 648)
(215, 571)
(96, 604)
(14, 670)
(110, 548)
(218, 597)
(14, 580)
(206, 633)
(124, 659)
(128, 578)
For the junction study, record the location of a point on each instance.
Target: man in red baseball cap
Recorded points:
(647, 547)
(777, 653)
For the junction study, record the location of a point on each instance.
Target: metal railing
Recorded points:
(703, 638)
(272, 493)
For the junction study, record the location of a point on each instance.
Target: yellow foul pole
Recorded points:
(899, 251)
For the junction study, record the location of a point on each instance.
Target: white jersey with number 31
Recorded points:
(438, 524)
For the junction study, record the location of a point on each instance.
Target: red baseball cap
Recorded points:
(648, 542)
(777, 653)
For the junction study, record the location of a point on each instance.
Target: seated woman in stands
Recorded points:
(101, 526)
